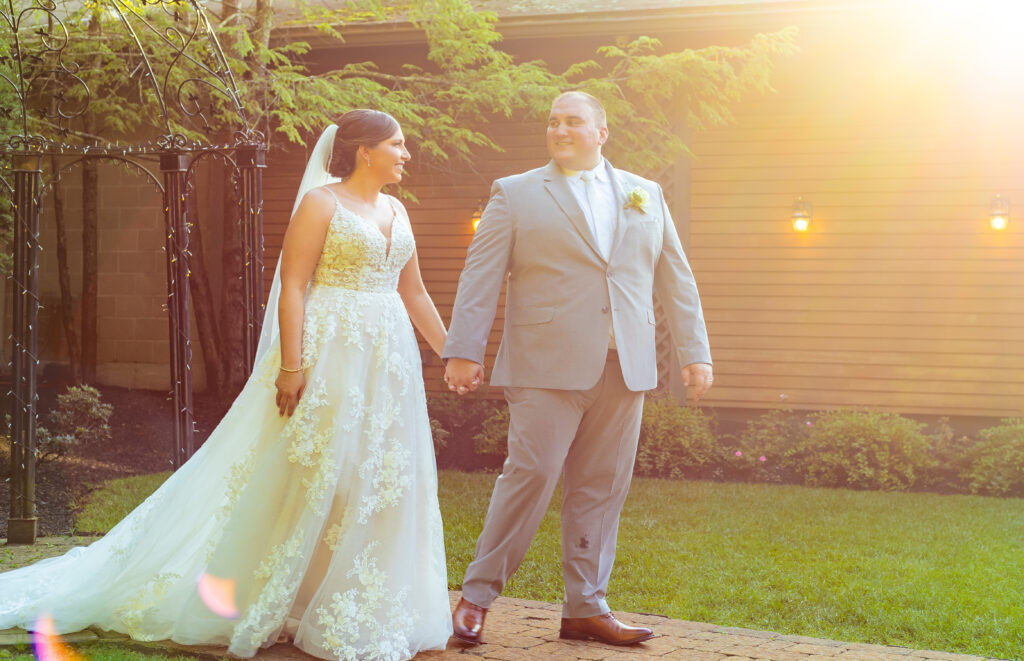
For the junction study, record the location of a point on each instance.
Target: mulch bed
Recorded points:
(141, 442)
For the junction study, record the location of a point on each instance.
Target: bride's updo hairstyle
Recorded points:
(355, 128)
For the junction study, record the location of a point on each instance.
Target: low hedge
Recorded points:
(995, 463)
(677, 441)
(844, 448)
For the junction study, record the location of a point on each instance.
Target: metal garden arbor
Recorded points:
(185, 79)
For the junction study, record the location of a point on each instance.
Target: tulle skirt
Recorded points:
(324, 525)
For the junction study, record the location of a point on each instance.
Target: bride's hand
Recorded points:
(289, 390)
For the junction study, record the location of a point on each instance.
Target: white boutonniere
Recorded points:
(638, 199)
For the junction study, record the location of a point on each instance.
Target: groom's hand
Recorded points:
(463, 376)
(698, 375)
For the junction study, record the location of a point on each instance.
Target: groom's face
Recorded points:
(574, 137)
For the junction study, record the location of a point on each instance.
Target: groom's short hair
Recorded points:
(600, 117)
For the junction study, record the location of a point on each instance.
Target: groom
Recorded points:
(584, 248)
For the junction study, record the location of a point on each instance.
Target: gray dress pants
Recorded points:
(590, 438)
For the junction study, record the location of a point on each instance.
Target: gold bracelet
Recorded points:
(285, 369)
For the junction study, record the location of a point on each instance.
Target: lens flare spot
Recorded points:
(218, 594)
(48, 645)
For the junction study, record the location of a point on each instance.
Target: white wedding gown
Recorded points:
(327, 521)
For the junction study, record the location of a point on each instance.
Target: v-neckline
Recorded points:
(391, 226)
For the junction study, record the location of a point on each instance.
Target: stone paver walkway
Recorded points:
(518, 629)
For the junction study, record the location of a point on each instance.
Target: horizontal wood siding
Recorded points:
(900, 297)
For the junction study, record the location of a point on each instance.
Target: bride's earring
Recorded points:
(367, 161)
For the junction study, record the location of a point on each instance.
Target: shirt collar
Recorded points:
(600, 172)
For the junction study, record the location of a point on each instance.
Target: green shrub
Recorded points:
(769, 449)
(461, 417)
(996, 462)
(492, 440)
(439, 434)
(5, 456)
(79, 418)
(864, 450)
(677, 441)
(950, 461)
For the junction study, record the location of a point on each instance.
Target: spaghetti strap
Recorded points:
(394, 208)
(334, 195)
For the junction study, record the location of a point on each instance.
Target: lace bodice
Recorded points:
(356, 254)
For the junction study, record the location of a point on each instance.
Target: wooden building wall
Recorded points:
(897, 127)
(900, 297)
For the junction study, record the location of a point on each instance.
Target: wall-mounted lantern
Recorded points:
(999, 213)
(478, 214)
(801, 216)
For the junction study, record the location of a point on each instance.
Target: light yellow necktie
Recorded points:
(587, 176)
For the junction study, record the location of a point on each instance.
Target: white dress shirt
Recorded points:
(600, 209)
(600, 212)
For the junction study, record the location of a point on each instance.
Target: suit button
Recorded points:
(605, 309)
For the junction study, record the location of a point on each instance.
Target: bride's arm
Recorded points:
(419, 305)
(303, 243)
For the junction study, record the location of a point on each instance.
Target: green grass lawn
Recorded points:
(97, 652)
(917, 570)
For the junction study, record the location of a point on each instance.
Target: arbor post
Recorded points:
(174, 165)
(22, 524)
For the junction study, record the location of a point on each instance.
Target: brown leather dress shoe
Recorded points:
(603, 628)
(468, 622)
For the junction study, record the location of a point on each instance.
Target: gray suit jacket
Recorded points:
(562, 293)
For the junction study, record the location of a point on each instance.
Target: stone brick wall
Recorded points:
(133, 330)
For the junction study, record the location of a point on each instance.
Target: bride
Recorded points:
(311, 511)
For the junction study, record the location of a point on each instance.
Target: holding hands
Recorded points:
(699, 376)
(462, 375)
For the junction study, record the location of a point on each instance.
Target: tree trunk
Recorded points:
(90, 235)
(204, 311)
(232, 304)
(90, 267)
(232, 311)
(67, 309)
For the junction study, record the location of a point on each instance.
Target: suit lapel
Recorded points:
(622, 215)
(558, 187)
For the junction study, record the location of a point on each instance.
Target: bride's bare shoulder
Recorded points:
(316, 208)
(318, 200)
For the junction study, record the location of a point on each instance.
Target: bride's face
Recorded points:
(388, 158)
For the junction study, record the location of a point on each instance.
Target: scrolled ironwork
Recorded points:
(173, 142)
(138, 166)
(184, 81)
(218, 77)
(249, 137)
(28, 143)
(182, 69)
(35, 73)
